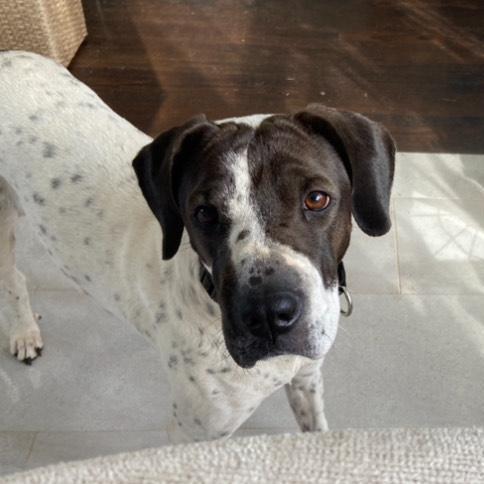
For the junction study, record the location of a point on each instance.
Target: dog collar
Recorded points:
(343, 290)
(207, 282)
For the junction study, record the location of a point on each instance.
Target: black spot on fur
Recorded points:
(34, 117)
(49, 150)
(88, 278)
(211, 310)
(172, 361)
(33, 139)
(243, 234)
(269, 271)
(86, 105)
(87, 240)
(76, 178)
(38, 199)
(160, 316)
(255, 280)
(55, 183)
(117, 297)
(179, 314)
(88, 202)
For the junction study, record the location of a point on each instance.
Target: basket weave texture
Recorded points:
(54, 28)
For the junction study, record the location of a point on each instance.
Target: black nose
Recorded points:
(282, 311)
(276, 314)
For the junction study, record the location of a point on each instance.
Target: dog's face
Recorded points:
(268, 210)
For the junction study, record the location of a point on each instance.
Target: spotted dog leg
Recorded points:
(25, 340)
(305, 394)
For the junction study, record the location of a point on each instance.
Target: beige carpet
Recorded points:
(386, 456)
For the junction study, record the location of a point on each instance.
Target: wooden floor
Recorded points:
(415, 65)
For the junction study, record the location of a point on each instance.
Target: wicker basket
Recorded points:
(54, 28)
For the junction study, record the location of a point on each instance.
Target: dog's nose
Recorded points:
(276, 314)
(282, 311)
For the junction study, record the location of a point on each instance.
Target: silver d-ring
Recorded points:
(349, 302)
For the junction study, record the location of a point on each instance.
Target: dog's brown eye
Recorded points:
(206, 214)
(317, 201)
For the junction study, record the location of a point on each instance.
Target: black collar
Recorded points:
(341, 277)
(207, 281)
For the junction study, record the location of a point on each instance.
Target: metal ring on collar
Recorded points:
(349, 302)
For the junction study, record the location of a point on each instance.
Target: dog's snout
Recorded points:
(275, 314)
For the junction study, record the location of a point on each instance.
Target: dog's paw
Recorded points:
(26, 344)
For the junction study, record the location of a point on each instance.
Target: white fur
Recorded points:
(243, 213)
(68, 158)
(253, 120)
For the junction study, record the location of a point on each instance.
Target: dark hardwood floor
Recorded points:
(415, 65)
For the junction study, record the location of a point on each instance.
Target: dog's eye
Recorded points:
(206, 214)
(317, 201)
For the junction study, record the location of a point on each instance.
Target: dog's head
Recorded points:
(267, 207)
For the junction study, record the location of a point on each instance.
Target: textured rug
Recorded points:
(374, 456)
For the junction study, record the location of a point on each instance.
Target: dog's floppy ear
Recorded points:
(368, 152)
(154, 167)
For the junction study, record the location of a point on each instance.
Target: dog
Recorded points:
(239, 288)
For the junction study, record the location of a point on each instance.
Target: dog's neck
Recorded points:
(183, 276)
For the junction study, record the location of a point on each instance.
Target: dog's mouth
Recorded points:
(248, 357)
(247, 353)
(246, 350)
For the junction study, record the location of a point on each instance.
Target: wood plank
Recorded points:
(416, 65)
